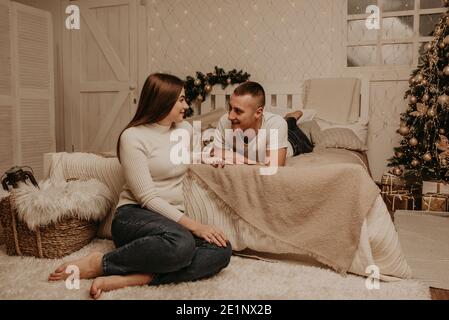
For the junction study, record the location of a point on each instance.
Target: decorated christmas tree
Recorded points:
(423, 153)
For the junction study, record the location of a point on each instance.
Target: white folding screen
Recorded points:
(7, 114)
(26, 86)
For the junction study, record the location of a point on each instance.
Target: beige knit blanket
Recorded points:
(316, 203)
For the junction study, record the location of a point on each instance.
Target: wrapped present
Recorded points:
(435, 202)
(386, 189)
(391, 183)
(391, 179)
(400, 200)
(440, 187)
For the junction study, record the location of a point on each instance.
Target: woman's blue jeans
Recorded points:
(148, 242)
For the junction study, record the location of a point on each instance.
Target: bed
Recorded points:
(378, 244)
(376, 240)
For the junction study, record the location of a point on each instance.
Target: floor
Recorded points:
(439, 294)
(436, 294)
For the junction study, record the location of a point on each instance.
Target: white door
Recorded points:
(27, 128)
(101, 77)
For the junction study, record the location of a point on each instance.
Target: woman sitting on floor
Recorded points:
(155, 242)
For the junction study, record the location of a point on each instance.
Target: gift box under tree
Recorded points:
(400, 201)
(435, 202)
(440, 187)
(391, 183)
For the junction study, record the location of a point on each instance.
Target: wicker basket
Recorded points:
(52, 241)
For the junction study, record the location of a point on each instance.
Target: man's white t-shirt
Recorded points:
(272, 135)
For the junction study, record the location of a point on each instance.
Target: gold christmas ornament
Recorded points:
(413, 142)
(403, 131)
(446, 39)
(419, 77)
(425, 97)
(208, 88)
(200, 98)
(228, 81)
(428, 46)
(431, 113)
(441, 131)
(443, 99)
(398, 154)
(424, 82)
(443, 143)
(415, 163)
(444, 162)
(427, 157)
(397, 171)
(446, 70)
(421, 110)
(413, 99)
(442, 45)
(197, 82)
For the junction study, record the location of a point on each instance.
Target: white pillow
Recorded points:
(342, 138)
(360, 130)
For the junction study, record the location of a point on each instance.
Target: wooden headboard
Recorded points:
(278, 95)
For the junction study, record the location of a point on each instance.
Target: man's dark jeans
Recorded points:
(299, 141)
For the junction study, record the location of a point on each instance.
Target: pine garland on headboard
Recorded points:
(198, 88)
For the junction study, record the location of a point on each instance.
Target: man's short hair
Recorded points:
(252, 88)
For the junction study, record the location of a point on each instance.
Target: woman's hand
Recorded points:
(211, 234)
(207, 232)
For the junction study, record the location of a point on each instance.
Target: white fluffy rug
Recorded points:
(25, 278)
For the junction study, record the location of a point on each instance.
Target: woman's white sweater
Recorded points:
(153, 179)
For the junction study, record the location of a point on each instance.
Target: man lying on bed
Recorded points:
(249, 135)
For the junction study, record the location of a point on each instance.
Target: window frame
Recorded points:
(416, 41)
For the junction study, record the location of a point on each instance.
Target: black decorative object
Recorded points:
(16, 174)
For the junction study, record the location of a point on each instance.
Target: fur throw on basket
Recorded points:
(86, 200)
(3, 194)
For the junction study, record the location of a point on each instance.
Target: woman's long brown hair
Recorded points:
(159, 95)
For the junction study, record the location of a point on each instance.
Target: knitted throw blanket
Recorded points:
(316, 203)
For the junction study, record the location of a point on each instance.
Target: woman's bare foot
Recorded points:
(296, 114)
(89, 266)
(104, 284)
